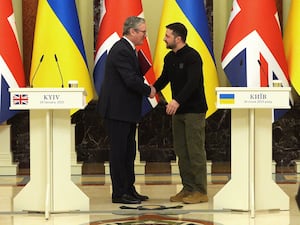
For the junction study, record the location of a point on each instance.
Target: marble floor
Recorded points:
(159, 188)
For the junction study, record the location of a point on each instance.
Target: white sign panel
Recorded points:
(47, 98)
(244, 97)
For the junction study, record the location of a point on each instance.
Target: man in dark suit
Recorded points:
(120, 103)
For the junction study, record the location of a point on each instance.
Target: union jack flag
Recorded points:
(20, 99)
(253, 53)
(11, 66)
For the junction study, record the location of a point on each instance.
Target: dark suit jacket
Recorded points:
(123, 86)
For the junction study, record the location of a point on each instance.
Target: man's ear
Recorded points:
(178, 38)
(131, 30)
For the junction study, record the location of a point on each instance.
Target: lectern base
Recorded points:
(50, 188)
(251, 187)
(32, 199)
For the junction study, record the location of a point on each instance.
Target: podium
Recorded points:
(50, 188)
(251, 186)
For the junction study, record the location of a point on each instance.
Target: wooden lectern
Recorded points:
(50, 188)
(251, 186)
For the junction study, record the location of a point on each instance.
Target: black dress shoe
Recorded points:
(126, 199)
(136, 195)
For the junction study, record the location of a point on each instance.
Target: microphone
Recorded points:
(61, 77)
(36, 70)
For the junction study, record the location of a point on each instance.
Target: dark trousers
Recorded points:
(189, 146)
(122, 155)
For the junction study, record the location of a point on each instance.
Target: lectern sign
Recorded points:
(47, 98)
(50, 98)
(245, 97)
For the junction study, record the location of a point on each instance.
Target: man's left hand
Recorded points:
(172, 107)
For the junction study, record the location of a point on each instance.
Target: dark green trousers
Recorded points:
(189, 145)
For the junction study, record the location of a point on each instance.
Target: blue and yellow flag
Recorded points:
(58, 50)
(192, 14)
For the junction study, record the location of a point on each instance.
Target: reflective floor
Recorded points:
(159, 188)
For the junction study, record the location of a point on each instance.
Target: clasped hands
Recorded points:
(171, 107)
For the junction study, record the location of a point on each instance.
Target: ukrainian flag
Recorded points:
(226, 99)
(58, 51)
(192, 14)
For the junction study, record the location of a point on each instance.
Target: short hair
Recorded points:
(132, 22)
(178, 30)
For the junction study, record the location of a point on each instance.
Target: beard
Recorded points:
(170, 45)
